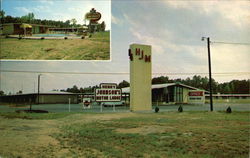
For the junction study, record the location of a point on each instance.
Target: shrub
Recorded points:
(180, 109)
(157, 109)
(229, 110)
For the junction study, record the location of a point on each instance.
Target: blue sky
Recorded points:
(173, 29)
(58, 9)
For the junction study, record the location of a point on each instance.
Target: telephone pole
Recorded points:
(210, 73)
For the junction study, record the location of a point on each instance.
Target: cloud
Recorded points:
(23, 9)
(235, 11)
(175, 29)
(42, 9)
(230, 58)
(116, 20)
(47, 2)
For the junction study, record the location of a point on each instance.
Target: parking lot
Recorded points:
(97, 108)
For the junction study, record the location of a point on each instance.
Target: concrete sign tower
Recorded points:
(140, 77)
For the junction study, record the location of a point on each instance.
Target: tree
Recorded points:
(2, 93)
(2, 14)
(67, 23)
(74, 89)
(28, 18)
(103, 26)
(160, 80)
(19, 92)
(31, 17)
(123, 84)
(73, 21)
(9, 19)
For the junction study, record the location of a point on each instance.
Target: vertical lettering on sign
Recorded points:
(147, 58)
(142, 53)
(130, 55)
(137, 51)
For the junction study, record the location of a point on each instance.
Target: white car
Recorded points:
(120, 103)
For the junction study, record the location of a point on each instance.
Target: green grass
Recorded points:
(95, 48)
(237, 101)
(164, 134)
(35, 116)
(193, 134)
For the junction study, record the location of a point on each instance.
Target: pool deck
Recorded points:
(41, 38)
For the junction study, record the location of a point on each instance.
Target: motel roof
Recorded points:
(159, 86)
(27, 23)
(45, 93)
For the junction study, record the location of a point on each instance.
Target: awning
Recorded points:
(25, 26)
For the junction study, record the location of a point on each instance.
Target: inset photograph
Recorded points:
(55, 30)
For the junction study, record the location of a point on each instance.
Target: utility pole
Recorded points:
(210, 74)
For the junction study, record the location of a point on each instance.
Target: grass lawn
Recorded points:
(95, 48)
(237, 101)
(166, 134)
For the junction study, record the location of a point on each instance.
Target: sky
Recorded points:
(174, 30)
(58, 9)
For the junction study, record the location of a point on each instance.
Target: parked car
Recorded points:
(120, 103)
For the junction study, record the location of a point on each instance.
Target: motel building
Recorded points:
(17, 29)
(177, 93)
(53, 97)
(172, 93)
(29, 29)
(162, 94)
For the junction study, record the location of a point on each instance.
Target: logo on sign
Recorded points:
(93, 15)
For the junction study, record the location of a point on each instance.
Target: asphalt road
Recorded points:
(97, 108)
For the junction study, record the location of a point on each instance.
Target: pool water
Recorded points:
(52, 35)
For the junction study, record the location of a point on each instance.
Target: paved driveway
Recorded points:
(96, 108)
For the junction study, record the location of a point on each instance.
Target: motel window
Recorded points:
(179, 94)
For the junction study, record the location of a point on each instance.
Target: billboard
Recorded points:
(108, 92)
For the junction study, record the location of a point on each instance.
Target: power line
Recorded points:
(125, 73)
(58, 72)
(230, 43)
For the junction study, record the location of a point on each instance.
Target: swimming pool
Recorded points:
(54, 35)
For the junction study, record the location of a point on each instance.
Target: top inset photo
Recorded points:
(55, 30)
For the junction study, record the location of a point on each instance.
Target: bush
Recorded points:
(157, 109)
(229, 110)
(180, 109)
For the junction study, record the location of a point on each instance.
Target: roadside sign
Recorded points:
(93, 15)
(108, 92)
(196, 97)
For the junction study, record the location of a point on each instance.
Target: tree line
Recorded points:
(232, 87)
(30, 18)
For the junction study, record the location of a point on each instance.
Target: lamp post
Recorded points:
(38, 88)
(210, 74)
